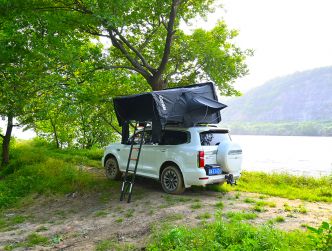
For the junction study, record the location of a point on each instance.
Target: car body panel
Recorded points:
(185, 156)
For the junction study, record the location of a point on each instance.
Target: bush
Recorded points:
(322, 236)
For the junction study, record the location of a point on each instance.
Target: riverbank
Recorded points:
(60, 199)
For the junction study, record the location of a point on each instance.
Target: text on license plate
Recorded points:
(214, 171)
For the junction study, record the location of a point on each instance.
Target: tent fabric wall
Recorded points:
(186, 106)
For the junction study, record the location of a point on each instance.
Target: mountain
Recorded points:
(302, 96)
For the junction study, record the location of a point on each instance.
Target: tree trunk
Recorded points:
(55, 134)
(157, 84)
(6, 141)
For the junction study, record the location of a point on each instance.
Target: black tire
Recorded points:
(172, 181)
(112, 170)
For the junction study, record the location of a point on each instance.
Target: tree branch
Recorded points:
(130, 46)
(136, 65)
(169, 37)
(110, 124)
(148, 37)
(2, 136)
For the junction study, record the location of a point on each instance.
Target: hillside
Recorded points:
(302, 96)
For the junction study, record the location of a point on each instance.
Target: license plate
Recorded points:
(214, 171)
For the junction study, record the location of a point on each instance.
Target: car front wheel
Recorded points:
(112, 169)
(172, 181)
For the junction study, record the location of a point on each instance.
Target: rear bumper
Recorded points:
(199, 178)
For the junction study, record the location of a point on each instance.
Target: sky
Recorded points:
(286, 35)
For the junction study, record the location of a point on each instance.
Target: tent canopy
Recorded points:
(186, 106)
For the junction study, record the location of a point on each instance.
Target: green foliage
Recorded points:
(322, 236)
(287, 186)
(43, 170)
(64, 76)
(236, 235)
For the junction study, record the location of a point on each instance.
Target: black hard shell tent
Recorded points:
(185, 106)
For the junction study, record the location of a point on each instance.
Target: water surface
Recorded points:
(299, 155)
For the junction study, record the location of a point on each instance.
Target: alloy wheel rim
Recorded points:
(170, 180)
(111, 168)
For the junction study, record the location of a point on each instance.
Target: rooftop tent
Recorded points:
(186, 106)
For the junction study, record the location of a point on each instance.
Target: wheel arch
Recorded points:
(169, 163)
(110, 155)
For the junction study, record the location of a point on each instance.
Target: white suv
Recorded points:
(184, 157)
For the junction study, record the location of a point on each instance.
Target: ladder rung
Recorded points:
(133, 159)
(135, 148)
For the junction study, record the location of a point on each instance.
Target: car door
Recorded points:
(156, 155)
(150, 157)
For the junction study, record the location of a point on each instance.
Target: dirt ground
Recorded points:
(81, 222)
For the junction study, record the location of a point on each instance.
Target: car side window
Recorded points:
(174, 138)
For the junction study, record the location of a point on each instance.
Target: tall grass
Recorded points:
(288, 186)
(220, 235)
(39, 168)
(283, 185)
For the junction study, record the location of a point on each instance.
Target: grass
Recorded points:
(196, 205)
(129, 213)
(31, 240)
(287, 186)
(301, 209)
(249, 200)
(239, 216)
(100, 213)
(258, 208)
(172, 217)
(236, 235)
(8, 223)
(41, 169)
(287, 207)
(219, 205)
(203, 216)
(36, 239)
(279, 219)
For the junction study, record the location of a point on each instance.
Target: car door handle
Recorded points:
(163, 150)
(118, 149)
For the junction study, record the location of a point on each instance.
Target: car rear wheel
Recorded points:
(112, 169)
(172, 181)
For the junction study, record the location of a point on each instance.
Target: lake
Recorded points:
(309, 156)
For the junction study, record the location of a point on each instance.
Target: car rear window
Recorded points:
(174, 138)
(212, 138)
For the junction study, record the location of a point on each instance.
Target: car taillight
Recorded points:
(201, 161)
